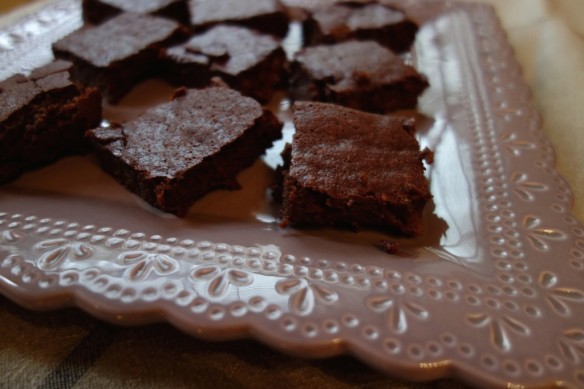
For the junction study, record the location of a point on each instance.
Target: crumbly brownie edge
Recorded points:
(220, 170)
(276, 24)
(383, 98)
(116, 80)
(58, 125)
(399, 37)
(215, 172)
(317, 193)
(303, 206)
(264, 80)
(114, 83)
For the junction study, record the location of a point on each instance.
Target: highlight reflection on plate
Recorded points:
(492, 293)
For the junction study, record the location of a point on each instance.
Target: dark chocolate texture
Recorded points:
(118, 54)
(253, 63)
(357, 74)
(354, 169)
(178, 151)
(362, 21)
(267, 16)
(43, 117)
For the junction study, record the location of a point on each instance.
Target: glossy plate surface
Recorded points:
(492, 293)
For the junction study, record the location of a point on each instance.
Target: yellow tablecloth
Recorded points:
(68, 348)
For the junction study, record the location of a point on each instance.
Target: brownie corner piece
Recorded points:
(353, 169)
(361, 20)
(43, 117)
(118, 54)
(359, 74)
(177, 152)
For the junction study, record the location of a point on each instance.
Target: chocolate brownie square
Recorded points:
(178, 151)
(357, 74)
(98, 11)
(253, 63)
(268, 16)
(118, 54)
(355, 169)
(362, 21)
(43, 117)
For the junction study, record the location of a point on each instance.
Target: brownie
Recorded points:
(362, 21)
(357, 74)
(355, 169)
(253, 63)
(43, 117)
(178, 151)
(98, 11)
(118, 54)
(268, 16)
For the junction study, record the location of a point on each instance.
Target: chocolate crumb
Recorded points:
(389, 246)
(428, 155)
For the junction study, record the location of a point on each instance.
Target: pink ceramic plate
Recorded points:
(492, 294)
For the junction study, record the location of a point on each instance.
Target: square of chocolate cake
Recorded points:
(353, 169)
(357, 74)
(362, 21)
(268, 16)
(251, 62)
(118, 54)
(178, 151)
(98, 11)
(43, 117)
